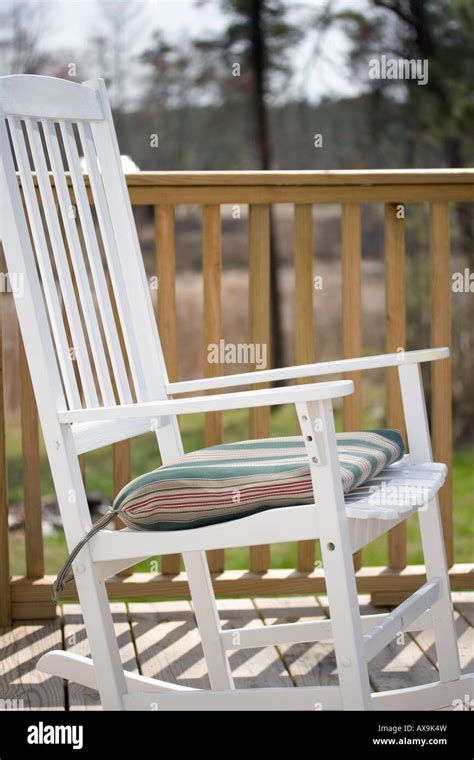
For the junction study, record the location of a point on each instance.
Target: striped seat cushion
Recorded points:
(233, 480)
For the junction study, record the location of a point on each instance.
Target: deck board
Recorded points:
(252, 668)
(168, 644)
(464, 603)
(21, 647)
(465, 634)
(75, 639)
(311, 664)
(161, 639)
(401, 664)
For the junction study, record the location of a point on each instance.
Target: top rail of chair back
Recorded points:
(39, 97)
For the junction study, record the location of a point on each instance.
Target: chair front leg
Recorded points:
(91, 589)
(317, 425)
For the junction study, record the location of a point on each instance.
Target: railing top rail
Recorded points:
(303, 177)
(298, 178)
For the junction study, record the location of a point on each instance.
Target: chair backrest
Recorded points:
(84, 308)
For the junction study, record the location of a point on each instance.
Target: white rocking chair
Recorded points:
(40, 121)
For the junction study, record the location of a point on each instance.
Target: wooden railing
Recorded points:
(30, 597)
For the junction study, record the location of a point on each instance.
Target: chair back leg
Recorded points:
(431, 529)
(207, 616)
(442, 611)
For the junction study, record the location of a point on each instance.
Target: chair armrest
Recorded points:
(309, 370)
(218, 402)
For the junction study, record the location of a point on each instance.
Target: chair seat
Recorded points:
(234, 480)
(399, 489)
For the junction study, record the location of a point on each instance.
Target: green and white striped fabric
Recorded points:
(233, 480)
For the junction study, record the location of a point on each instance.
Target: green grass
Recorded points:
(145, 457)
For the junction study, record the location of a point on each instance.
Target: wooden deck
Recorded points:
(161, 640)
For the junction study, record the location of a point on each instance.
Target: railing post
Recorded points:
(5, 598)
(352, 316)
(167, 316)
(212, 333)
(31, 471)
(395, 318)
(441, 399)
(259, 329)
(304, 328)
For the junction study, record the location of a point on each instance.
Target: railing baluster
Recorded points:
(395, 316)
(304, 327)
(212, 269)
(259, 329)
(167, 317)
(352, 316)
(166, 270)
(212, 333)
(31, 472)
(5, 600)
(441, 401)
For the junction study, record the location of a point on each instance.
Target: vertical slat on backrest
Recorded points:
(212, 270)
(352, 316)
(167, 316)
(166, 272)
(68, 216)
(441, 401)
(259, 329)
(44, 264)
(5, 600)
(95, 262)
(153, 373)
(111, 253)
(60, 258)
(304, 327)
(395, 318)
(31, 472)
